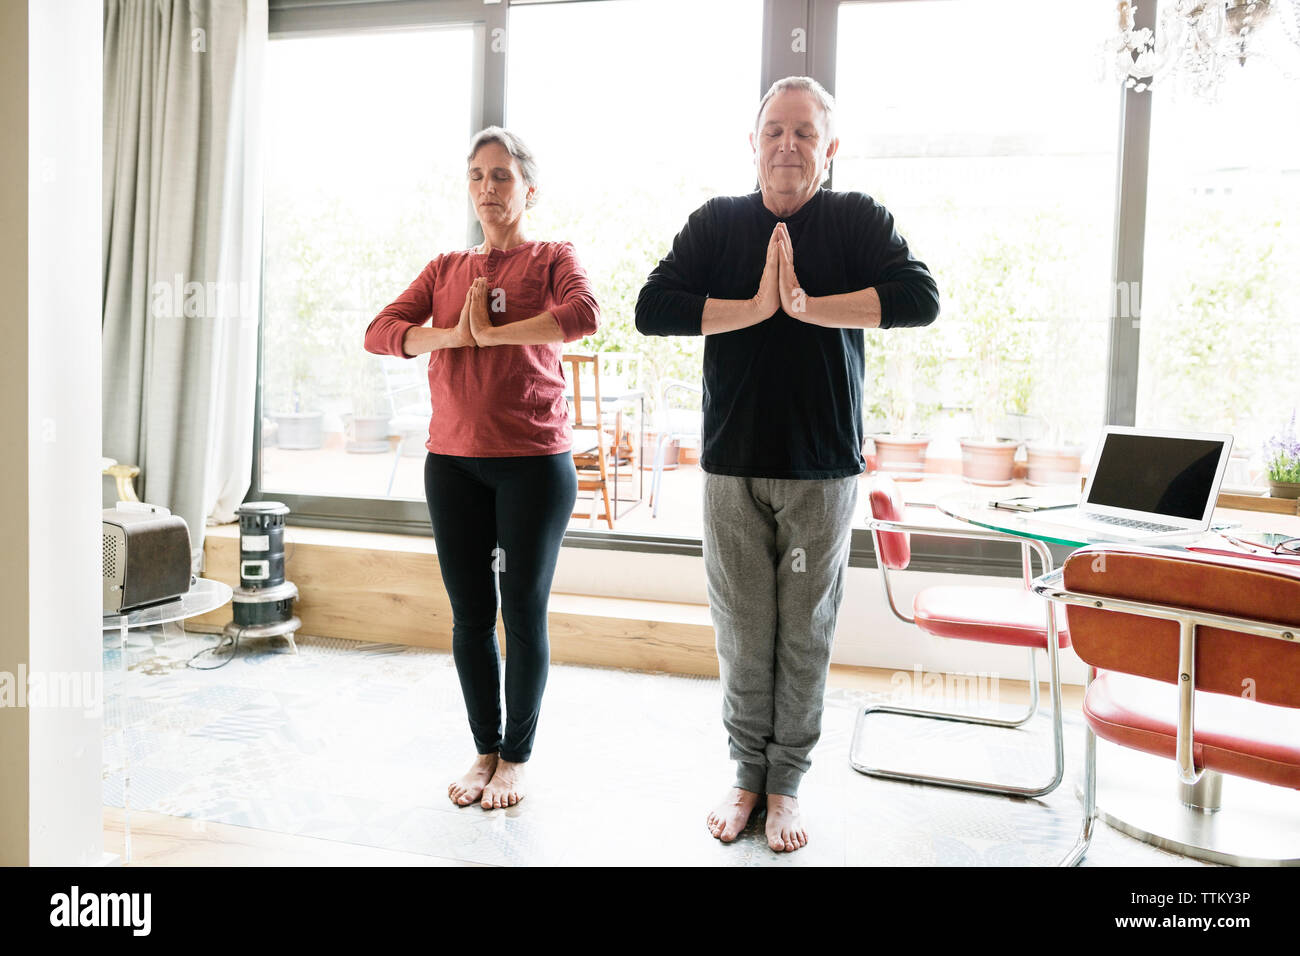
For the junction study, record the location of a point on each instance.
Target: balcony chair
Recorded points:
(991, 615)
(1174, 641)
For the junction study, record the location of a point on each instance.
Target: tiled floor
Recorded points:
(356, 742)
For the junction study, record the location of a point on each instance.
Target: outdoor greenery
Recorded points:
(1022, 329)
(991, 300)
(902, 373)
(1014, 313)
(1213, 340)
(618, 268)
(331, 267)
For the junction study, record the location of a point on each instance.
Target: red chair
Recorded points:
(1214, 628)
(990, 615)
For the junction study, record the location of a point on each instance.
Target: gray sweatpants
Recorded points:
(775, 551)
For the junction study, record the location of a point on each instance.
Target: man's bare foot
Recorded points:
(468, 788)
(728, 818)
(785, 830)
(506, 788)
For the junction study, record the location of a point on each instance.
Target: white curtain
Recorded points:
(182, 248)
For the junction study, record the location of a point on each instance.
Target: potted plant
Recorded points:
(294, 356)
(902, 369)
(994, 296)
(1282, 454)
(367, 425)
(1056, 456)
(987, 458)
(300, 420)
(1054, 460)
(1000, 380)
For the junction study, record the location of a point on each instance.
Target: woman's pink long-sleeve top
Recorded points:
(503, 400)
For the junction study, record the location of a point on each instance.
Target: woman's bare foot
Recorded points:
(728, 818)
(468, 788)
(506, 788)
(785, 830)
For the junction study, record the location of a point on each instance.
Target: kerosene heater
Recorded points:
(263, 602)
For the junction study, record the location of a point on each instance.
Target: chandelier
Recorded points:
(1197, 41)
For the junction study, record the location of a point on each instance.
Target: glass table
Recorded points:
(1259, 826)
(203, 596)
(974, 506)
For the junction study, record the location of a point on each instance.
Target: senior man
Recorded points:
(782, 432)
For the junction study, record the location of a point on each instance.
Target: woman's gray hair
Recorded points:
(513, 145)
(808, 85)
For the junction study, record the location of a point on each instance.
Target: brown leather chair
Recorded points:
(1192, 657)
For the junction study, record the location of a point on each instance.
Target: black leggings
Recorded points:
(500, 519)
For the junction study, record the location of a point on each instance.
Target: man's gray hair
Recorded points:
(808, 85)
(512, 145)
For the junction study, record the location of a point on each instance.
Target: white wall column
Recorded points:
(51, 79)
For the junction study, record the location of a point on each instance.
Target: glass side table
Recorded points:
(203, 596)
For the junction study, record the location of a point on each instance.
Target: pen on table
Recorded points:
(1241, 544)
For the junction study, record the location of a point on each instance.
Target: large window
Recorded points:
(989, 128)
(982, 125)
(365, 183)
(1220, 336)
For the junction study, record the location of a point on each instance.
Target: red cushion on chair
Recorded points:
(1233, 735)
(993, 615)
(887, 505)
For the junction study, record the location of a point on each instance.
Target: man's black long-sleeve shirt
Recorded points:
(783, 398)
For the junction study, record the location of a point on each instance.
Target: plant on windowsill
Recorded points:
(1054, 460)
(1057, 456)
(1282, 452)
(902, 369)
(367, 425)
(1063, 342)
(298, 415)
(995, 296)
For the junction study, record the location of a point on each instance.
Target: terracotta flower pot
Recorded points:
(988, 462)
(1283, 489)
(1054, 464)
(902, 458)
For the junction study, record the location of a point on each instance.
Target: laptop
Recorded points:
(1148, 484)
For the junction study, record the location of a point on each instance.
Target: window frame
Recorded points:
(819, 20)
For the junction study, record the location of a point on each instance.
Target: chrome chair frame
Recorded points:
(1028, 547)
(1049, 586)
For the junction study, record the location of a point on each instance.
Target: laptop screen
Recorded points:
(1166, 476)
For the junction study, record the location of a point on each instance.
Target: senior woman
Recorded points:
(499, 475)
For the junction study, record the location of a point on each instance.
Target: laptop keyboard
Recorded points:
(1132, 523)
